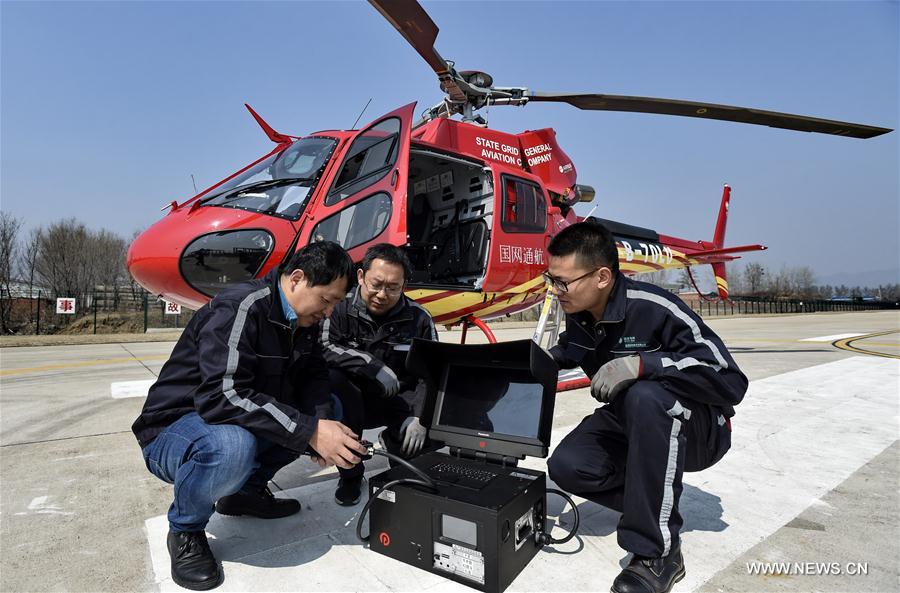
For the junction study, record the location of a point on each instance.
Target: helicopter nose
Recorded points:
(171, 259)
(153, 262)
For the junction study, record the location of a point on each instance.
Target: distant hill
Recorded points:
(870, 278)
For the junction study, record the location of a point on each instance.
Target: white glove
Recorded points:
(615, 376)
(413, 434)
(388, 380)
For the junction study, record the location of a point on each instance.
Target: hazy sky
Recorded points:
(109, 107)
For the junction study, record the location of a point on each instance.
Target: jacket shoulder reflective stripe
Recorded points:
(684, 318)
(234, 338)
(331, 347)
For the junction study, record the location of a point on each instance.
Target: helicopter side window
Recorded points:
(524, 207)
(356, 224)
(368, 160)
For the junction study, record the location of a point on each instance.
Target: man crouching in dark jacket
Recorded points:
(366, 341)
(668, 387)
(241, 396)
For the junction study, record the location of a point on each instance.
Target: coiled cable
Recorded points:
(544, 537)
(425, 482)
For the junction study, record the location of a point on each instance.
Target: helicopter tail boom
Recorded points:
(715, 253)
(721, 280)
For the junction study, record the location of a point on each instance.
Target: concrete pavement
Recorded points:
(812, 477)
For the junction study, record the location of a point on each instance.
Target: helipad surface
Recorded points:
(812, 478)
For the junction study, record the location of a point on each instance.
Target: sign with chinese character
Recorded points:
(172, 308)
(66, 306)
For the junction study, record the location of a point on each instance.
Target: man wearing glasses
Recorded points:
(366, 341)
(667, 384)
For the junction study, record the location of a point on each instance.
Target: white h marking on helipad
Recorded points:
(796, 437)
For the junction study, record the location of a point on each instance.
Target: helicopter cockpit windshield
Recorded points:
(279, 185)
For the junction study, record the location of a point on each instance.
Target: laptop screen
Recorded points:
(492, 400)
(488, 400)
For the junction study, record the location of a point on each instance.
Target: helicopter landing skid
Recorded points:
(470, 320)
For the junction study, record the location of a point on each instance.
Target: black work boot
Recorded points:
(261, 503)
(650, 575)
(348, 491)
(193, 564)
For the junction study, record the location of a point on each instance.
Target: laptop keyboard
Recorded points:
(462, 475)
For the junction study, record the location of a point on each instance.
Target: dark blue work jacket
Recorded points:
(361, 345)
(238, 362)
(676, 347)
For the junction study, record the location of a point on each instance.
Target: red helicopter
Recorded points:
(474, 207)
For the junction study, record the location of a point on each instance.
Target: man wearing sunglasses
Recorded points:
(667, 384)
(366, 340)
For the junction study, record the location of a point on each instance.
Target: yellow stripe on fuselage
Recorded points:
(640, 263)
(463, 299)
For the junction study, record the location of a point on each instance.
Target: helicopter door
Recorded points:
(518, 252)
(365, 201)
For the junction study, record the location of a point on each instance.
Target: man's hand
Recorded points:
(615, 376)
(336, 444)
(388, 381)
(413, 434)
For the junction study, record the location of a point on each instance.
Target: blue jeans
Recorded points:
(208, 461)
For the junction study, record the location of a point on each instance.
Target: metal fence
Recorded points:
(747, 306)
(110, 312)
(100, 312)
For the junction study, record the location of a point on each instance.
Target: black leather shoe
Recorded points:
(262, 504)
(193, 564)
(650, 575)
(348, 491)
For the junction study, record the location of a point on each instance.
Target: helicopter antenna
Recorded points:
(361, 113)
(194, 182)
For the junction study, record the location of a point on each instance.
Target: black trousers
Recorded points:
(363, 407)
(630, 455)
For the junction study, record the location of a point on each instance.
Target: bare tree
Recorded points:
(889, 292)
(753, 277)
(779, 285)
(9, 245)
(803, 281)
(65, 260)
(735, 272)
(73, 261)
(27, 268)
(109, 250)
(136, 289)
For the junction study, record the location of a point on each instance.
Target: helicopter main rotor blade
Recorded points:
(411, 20)
(773, 119)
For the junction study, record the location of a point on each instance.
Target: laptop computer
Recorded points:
(492, 404)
